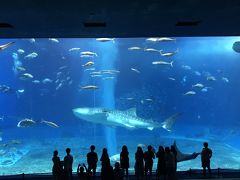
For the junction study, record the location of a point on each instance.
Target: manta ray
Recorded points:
(184, 157)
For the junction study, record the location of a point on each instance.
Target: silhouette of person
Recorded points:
(56, 169)
(105, 164)
(80, 172)
(148, 158)
(139, 165)
(206, 155)
(68, 161)
(124, 159)
(161, 165)
(118, 173)
(174, 151)
(92, 159)
(170, 164)
(110, 173)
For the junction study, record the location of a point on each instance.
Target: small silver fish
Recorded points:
(135, 70)
(86, 56)
(186, 67)
(26, 76)
(105, 39)
(211, 78)
(225, 79)
(108, 78)
(74, 49)
(160, 39)
(26, 123)
(168, 53)
(20, 68)
(190, 93)
(32, 40)
(47, 80)
(49, 123)
(20, 51)
(130, 98)
(36, 81)
(171, 78)
(89, 69)
(31, 55)
(54, 40)
(197, 73)
(95, 72)
(198, 85)
(88, 53)
(89, 87)
(96, 75)
(134, 48)
(59, 86)
(90, 63)
(151, 50)
(162, 63)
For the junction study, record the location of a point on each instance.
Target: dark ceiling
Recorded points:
(132, 18)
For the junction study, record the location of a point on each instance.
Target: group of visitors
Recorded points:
(166, 166)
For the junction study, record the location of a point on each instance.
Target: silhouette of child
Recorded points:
(206, 155)
(80, 172)
(118, 173)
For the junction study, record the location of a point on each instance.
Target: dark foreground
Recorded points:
(190, 175)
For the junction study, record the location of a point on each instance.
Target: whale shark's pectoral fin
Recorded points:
(150, 128)
(129, 126)
(184, 157)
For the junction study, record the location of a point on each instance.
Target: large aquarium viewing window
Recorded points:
(110, 92)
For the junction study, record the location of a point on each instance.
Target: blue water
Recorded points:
(211, 115)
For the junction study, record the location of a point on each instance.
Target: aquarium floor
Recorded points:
(131, 177)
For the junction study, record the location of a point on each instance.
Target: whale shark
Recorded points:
(117, 118)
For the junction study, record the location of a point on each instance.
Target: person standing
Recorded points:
(148, 158)
(170, 164)
(92, 159)
(139, 165)
(124, 159)
(161, 165)
(105, 164)
(56, 169)
(68, 161)
(206, 155)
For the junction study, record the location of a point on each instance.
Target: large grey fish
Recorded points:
(4, 46)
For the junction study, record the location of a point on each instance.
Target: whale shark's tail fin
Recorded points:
(168, 123)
